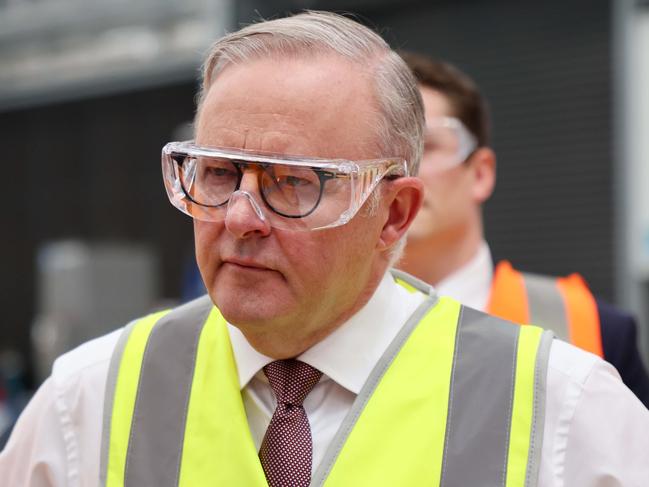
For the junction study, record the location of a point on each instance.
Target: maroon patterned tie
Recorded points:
(286, 452)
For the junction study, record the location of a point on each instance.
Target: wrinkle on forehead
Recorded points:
(274, 140)
(291, 107)
(269, 134)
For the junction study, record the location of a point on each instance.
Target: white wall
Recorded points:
(631, 75)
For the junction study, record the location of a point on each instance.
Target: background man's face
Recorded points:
(448, 201)
(264, 279)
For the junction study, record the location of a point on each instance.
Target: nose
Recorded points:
(245, 217)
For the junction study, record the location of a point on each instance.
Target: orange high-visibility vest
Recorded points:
(564, 305)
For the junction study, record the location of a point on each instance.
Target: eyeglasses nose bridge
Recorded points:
(238, 194)
(245, 168)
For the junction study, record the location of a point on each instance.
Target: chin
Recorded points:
(246, 308)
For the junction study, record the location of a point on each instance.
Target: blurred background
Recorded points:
(90, 90)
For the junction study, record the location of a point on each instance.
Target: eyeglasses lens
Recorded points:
(288, 190)
(291, 191)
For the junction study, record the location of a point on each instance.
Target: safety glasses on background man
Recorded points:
(447, 144)
(292, 193)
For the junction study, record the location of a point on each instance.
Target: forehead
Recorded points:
(436, 104)
(320, 107)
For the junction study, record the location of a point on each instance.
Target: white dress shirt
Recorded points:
(471, 283)
(596, 432)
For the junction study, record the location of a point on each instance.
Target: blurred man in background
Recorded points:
(446, 245)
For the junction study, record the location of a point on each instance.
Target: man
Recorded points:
(446, 245)
(309, 362)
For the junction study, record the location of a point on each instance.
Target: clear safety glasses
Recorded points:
(287, 192)
(447, 144)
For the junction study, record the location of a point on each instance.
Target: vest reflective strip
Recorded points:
(123, 397)
(412, 284)
(511, 387)
(482, 389)
(206, 439)
(547, 308)
(154, 453)
(109, 400)
(539, 400)
(527, 430)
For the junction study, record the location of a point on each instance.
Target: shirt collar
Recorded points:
(249, 361)
(471, 283)
(349, 354)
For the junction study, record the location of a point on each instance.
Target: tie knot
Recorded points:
(291, 380)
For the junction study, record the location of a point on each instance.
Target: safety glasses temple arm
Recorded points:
(390, 167)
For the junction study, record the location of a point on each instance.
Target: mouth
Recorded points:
(246, 264)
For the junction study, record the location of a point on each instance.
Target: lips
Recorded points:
(245, 263)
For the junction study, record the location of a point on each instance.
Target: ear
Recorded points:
(404, 197)
(483, 167)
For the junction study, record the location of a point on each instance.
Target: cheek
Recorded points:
(326, 255)
(427, 175)
(437, 189)
(205, 239)
(448, 183)
(307, 257)
(357, 248)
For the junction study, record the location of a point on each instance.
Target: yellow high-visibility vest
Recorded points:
(456, 400)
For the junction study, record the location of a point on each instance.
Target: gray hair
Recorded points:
(400, 130)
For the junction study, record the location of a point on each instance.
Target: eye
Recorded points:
(291, 191)
(219, 171)
(294, 178)
(293, 181)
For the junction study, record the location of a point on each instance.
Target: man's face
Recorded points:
(266, 280)
(448, 199)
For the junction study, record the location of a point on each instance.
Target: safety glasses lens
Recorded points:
(446, 144)
(291, 191)
(208, 181)
(288, 190)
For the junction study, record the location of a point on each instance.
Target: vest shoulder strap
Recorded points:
(480, 421)
(564, 305)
